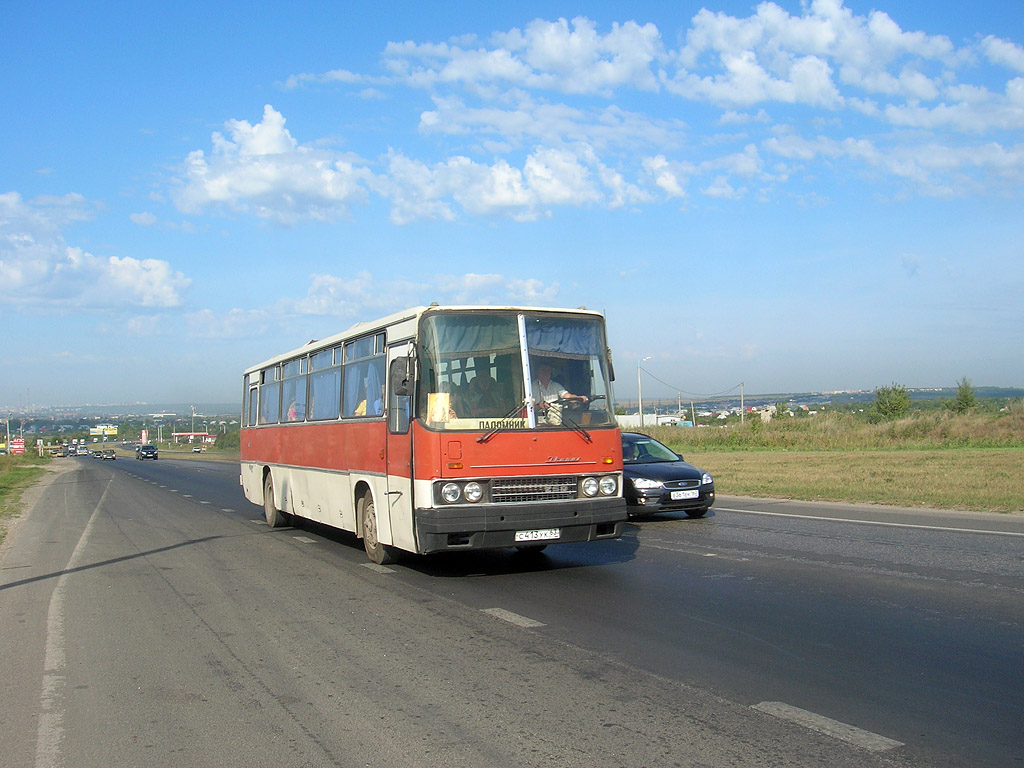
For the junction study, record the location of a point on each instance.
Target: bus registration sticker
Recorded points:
(542, 534)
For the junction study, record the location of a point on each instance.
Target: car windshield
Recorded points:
(645, 450)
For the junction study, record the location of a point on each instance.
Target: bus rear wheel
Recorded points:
(275, 517)
(379, 553)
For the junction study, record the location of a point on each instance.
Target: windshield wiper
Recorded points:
(502, 423)
(576, 427)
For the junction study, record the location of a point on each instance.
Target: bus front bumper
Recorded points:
(493, 526)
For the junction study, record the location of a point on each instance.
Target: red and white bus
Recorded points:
(441, 429)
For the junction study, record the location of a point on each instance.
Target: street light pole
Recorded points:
(640, 390)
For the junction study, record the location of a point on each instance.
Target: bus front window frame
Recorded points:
(458, 349)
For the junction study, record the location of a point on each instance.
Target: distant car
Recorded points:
(108, 453)
(146, 452)
(197, 449)
(81, 451)
(656, 479)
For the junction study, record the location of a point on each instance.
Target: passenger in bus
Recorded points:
(485, 398)
(377, 407)
(547, 393)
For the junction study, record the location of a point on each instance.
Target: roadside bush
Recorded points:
(892, 402)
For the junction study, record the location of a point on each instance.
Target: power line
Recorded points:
(692, 394)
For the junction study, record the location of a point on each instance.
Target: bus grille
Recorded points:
(507, 490)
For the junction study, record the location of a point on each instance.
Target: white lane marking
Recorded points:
(50, 733)
(837, 730)
(226, 509)
(304, 539)
(513, 618)
(870, 522)
(378, 568)
(204, 502)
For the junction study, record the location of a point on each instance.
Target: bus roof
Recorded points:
(366, 326)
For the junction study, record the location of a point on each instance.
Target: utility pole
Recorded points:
(640, 390)
(743, 411)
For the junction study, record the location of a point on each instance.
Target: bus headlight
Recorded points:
(609, 486)
(589, 486)
(473, 492)
(450, 492)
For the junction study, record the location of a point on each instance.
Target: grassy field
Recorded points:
(16, 474)
(980, 480)
(973, 461)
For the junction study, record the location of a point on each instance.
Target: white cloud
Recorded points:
(549, 177)
(551, 124)
(571, 57)
(670, 177)
(37, 266)
(144, 219)
(1003, 52)
(261, 170)
(523, 122)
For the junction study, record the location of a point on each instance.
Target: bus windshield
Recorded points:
(513, 370)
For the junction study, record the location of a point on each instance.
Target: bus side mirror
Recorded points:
(400, 376)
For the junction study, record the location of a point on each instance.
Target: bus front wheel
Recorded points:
(379, 553)
(275, 517)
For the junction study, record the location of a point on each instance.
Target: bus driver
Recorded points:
(547, 393)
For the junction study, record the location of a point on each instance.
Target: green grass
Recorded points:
(983, 480)
(16, 474)
(972, 461)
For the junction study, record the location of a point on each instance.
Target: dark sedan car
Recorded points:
(146, 452)
(658, 480)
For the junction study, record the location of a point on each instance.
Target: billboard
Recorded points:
(17, 445)
(103, 430)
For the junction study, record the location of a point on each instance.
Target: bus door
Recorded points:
(399, 445)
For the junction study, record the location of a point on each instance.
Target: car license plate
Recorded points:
(679, 495)
(541, 534)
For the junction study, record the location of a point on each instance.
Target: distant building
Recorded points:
(194, 437)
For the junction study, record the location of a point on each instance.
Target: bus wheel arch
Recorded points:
(379, 553)
(275, 517)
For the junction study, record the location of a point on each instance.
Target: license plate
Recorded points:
(678, 495)
(541, 534)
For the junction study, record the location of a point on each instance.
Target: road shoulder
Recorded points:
(29, 497)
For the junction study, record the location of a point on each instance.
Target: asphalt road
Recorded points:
(149, 618)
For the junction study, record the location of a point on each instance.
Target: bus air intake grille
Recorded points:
(508, 490)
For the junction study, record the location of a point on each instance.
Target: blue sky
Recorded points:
(799, 196)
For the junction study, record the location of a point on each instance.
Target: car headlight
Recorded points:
(473, 492)
(609, 485)
(589, 486)
(645, 484)
(706, 479)
(450, 492)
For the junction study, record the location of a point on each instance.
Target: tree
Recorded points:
(892, 402)
(965, 398)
